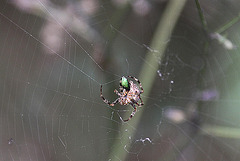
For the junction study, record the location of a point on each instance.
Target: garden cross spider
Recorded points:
(129, 94)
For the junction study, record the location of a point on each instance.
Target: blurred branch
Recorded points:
(202, 18)
(221, 131)
(229, 24)
(148, 73)
(227, 44)
(222, 28)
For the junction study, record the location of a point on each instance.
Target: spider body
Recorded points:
(129, 97)
(129, 94)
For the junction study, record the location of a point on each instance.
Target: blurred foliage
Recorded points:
(55, 54)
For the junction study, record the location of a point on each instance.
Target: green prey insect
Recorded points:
(129, 94)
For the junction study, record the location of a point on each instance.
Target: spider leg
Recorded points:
(114, 102)
(141, 103)
(119, 94)
(133, 113)
(107, 101)
(140, 85)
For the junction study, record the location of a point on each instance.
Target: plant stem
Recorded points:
(221, 131)
(229, 24)
(148, 73)
(202, 18)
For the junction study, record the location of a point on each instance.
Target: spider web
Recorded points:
(54, 55)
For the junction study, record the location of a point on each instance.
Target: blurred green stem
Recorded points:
(202, 18)
(221, 131)
(148, 73)
(229, 24)
(222, 28)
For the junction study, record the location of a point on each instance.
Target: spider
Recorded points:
(129, 94)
